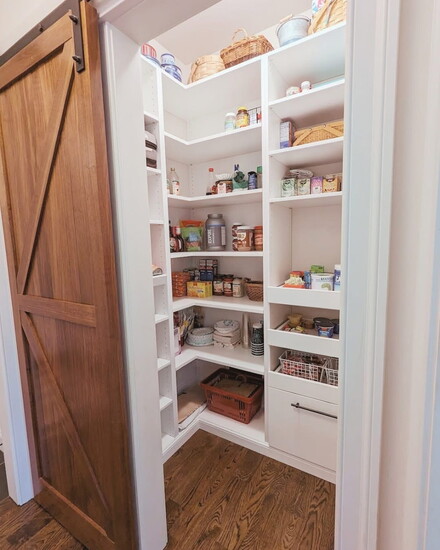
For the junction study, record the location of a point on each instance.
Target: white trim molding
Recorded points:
(371, 68)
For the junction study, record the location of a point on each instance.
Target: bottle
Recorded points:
(211, 181)
(174, 180)
(259, 177)
(245, 331)
(215, 228)
(337, 279)
(180, 241)
(173, 241)
(252, 179)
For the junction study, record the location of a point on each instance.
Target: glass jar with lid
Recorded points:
(242, 118)
(229, 122)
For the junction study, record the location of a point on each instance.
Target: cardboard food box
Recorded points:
(331, 183)
(199, 289)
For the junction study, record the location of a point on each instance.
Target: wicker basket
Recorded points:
(331, 13)
(205, 66)
(229, 403)
(247, 48)
(254, 290)
(319, 133)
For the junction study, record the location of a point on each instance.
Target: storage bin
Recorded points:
(229, 403)
(247, 48)
(319, 133)
(292, 29)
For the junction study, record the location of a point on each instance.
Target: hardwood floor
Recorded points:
(221, 496)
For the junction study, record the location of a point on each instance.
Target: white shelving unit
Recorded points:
(298, 231)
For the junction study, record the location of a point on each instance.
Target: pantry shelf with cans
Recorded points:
(245, 191)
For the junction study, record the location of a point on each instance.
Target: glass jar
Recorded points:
(235, 226)
(229, 122)
(242, 118)
(227, 285)
(258, 237)
(245, 238)
(215, 228)
(237, 288)
(217, 286)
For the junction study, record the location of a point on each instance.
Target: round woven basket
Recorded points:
(254, 290)
(205, 66)
(331, 13)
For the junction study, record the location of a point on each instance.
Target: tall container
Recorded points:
(215, 229)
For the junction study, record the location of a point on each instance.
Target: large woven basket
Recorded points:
(319, 133)
(247, 48)
(254, 290)
(331, 13)
(205, 66)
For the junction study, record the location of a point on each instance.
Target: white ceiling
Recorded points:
(212, 29)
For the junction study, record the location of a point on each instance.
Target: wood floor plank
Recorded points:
(51, 537)
(240, 500)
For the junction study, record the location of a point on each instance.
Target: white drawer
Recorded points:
(308, 388)
(306, 434)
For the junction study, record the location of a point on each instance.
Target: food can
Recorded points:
(322, 281)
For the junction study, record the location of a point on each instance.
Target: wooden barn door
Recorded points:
(55, 205)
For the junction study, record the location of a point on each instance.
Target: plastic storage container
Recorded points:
(215, 232)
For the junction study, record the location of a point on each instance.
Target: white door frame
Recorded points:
(12, 418)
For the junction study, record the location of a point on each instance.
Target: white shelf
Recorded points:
(220, 302)
(159, 280)
(164, 402)
(160, 318)
(323, 299)
(150, 118)
(304, 342)
(239, 358)
(309, 201)
(253, 431)
(317, 57)
(156, 222)
(301, 386)
(217, 146)
(217, 254)
(224, 199)
(219, 91)
(311, 154)
(154, 171)
(162, 363)
(325, 102)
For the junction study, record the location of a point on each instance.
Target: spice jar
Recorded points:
(227, 285)
(237, 288)
(217, 286)
(215, 228)
(235, 226)
(258, 237)
(229, 122)
(242, 118)
(245, 238)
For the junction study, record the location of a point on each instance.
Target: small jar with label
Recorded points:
(229, 122)
(258, 237)
(235, 226)
(245, 238)
(237, 288)
(227, 285)
(217, 286)
(242, 118)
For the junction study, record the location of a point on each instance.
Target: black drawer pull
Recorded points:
(298, 406)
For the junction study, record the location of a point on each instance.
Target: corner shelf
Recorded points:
(224, 199)
(217, 254)
(214, 147)
(238, 357)
(220, 302)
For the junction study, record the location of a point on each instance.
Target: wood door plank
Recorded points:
(55, 126)
(80, 314)
(52, 394)
(36, 51)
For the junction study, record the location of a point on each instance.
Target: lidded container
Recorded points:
(242, 118)
(215, 229)
(229, 122)
(258, 237)
(292, 29)
(245, 238)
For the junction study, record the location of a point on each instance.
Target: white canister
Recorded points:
(322, 281)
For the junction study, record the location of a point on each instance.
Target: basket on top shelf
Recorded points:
(254, 291)
(319, 133)
(204, 66)
(331, 13)
(247, 48)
